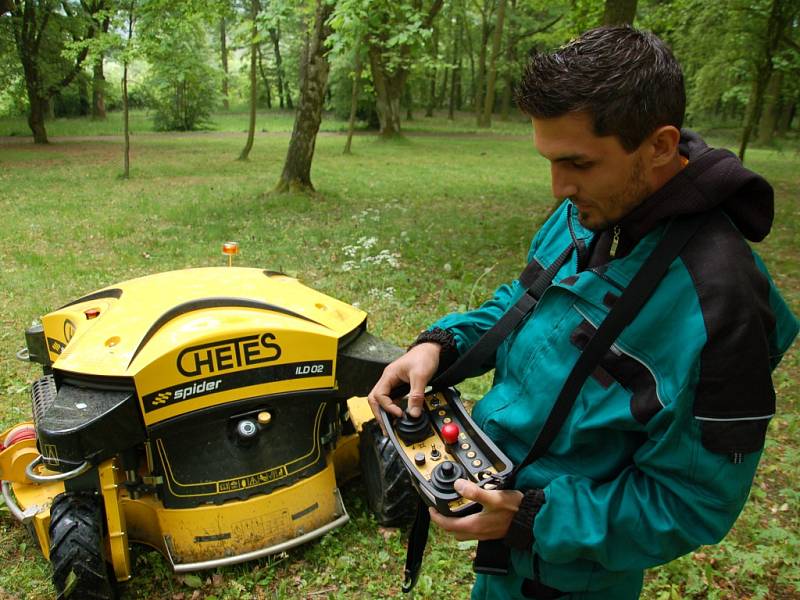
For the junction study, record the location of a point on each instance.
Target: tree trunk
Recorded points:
(511, 59)
(619, 12)
(769, 114)
(314, 68)
(486, 119)
(251, 130)
(433, 72)
(36, 117)
(126, 161)
(787, 113)
(455, 74)
(351, 124)
(98, 91)
(477, 99)
(409, 101)
(274, 36)
(776, 23)
(223, 45)
(267, 86)
(388, 90)
(83, 96)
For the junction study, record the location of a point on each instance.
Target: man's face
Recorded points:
(603, 180)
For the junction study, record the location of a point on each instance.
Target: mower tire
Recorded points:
(390, 495)
(77, 548)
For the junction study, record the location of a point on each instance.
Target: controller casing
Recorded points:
(474, 456)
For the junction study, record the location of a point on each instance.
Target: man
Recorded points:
(658, 453)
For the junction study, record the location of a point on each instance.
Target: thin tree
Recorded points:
(126, 161)
(223, 46)
(485, 119)
(351, 124)
(254, 42)
(314, 68)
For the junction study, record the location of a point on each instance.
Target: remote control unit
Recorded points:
(444, 444)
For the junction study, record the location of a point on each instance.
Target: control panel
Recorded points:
(444, 444)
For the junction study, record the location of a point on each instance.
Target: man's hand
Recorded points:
(499, 508)
(416, 368)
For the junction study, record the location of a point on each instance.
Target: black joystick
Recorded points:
(413, 429)
(445, 474)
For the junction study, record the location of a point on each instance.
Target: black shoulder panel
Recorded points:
(735, 389)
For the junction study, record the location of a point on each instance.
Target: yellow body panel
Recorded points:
(360, 412)
(213, 532)
(196, 338)
(106, 344)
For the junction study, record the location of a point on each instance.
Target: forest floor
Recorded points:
(452, 215)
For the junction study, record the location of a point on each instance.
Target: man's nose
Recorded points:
(563, 185)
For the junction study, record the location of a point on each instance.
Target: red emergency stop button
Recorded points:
(450, 433)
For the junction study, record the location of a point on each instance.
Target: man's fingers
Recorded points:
(416, 394)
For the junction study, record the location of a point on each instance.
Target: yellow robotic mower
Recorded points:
(208, 413)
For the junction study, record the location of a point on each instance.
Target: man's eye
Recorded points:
(581, 166)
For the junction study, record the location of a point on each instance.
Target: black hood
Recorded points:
(713, 178)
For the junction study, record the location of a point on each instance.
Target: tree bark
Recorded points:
(433, 72)
(267, 86)
(98, 91)
(619, 12)
(480, 78)
(126, 161)
(275, 37)
(223, 45)
(351, 124)
(388, 90)
(314, 68)
(485, 119)
(776, 23)
(786, 116)
(455, 74)
(769, 114)
(251, 130)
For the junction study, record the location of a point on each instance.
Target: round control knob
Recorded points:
(246, 429)
(413, 429)
(445, 474)
(450, 433)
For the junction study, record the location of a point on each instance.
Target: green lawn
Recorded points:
(455, 211)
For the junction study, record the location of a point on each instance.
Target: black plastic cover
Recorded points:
(361, 363)
(204, 460)
(88, 424)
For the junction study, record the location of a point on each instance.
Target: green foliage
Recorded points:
(182, 84)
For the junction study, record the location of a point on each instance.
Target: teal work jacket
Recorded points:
(659, 451)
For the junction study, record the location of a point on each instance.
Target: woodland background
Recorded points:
(120, 127)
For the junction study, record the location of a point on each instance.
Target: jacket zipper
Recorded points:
(614, 242)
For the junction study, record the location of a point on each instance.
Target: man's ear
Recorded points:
(664, 145)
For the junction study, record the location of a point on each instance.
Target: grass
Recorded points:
(457, 211)
(236, 120)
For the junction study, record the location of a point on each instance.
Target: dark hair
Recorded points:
(627, 80)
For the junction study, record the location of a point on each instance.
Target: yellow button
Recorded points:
(264, 418)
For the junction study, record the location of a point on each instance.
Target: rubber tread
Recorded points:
(390, 495)
(77, 546)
